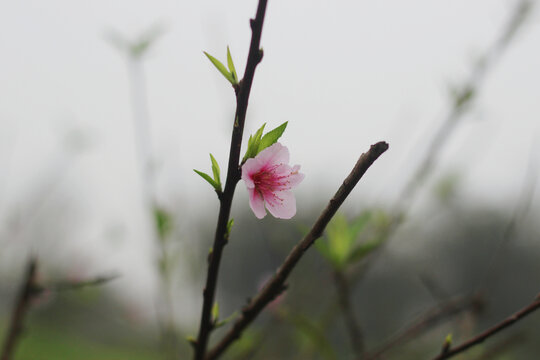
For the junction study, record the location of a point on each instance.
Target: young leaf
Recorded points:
(322, 247)
(363, 250)
(222, 69)
(226, 320)
(215, 312)
(258, 135)
(209, 179)
(271, 137)
(230, 64)
(163, 222)
(359, 224)
(191, 340)
(230, 225)
(253, 143)
(215, 170)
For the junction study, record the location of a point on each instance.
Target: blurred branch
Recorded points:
(427, 321)
(27, 291)
(463, 97)
(344, 299)
(242, 90)
(135, 51)
(451, 352)
(76, 285)
(521, 210)
(138, 47)
(31, 289)
(276, 285)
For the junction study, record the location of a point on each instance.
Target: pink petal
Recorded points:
(273, 155)
(295, 178)
(256, 203)
(284, 207)
(250, 167)
(283, 169)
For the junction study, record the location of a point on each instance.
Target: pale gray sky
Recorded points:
(345, 74)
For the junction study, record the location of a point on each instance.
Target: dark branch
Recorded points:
(277, 284)
(427, 321)
(233, 176)
(491, 331)
(27, 292)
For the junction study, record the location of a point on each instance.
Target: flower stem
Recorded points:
(242, 91)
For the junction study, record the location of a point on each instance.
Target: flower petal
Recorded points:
(273, 155)
(282, 205)
(295, 178)
(256, 203)
(250, 167)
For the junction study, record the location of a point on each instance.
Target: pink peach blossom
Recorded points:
(269, 180)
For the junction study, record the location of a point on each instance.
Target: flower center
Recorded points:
(267, 180)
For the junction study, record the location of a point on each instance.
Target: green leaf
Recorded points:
(163, 222)
(448, 339)
(363, 250)
(253, 144)
(322, 247)
(271, 137)
(222, 69)
(360, 223)
(209, 179)
(258, 135)
(226, 320)
(191, 340)
(230, 225)
(339, 239)
(464, 96)
(215, 312)
(215, 170)
(230, 64)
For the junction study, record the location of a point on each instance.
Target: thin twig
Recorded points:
(277, 284)
(427, 321)
(27, 292)
(76, 285)
(491, 331)
(242, 90)
(520, 212)
(344, 299)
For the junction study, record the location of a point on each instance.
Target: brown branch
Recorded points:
(277, 284)
(491, 331)
(242, 90)
(27, 292)
(427, 321)
(344, 299)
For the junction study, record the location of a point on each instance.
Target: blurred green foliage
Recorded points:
(48, 343)
(347, 242)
